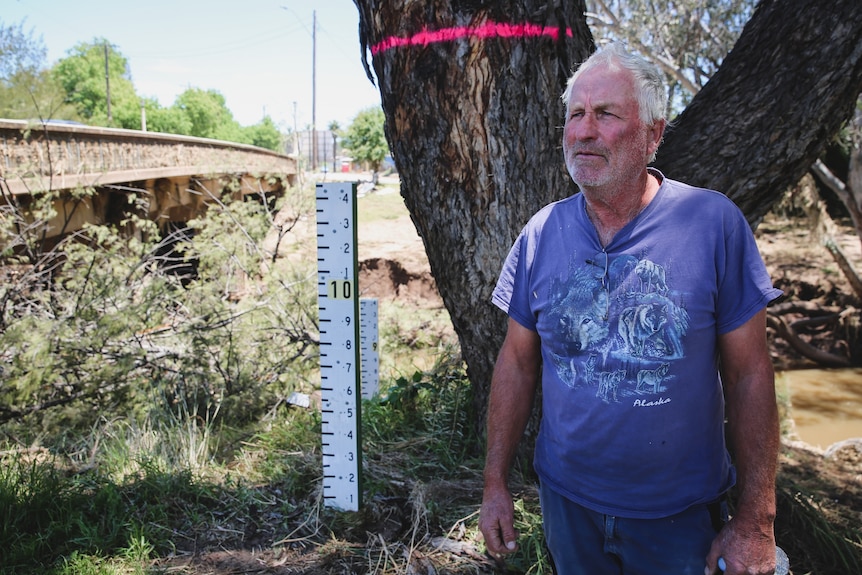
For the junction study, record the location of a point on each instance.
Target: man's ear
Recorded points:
(656, 133)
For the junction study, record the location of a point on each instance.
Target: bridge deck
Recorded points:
(39, 157)
(177, 174)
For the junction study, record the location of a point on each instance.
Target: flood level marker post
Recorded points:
(340, 359)
(368, 336)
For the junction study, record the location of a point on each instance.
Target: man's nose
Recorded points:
(585, 127)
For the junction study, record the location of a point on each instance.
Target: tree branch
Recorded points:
(840, 188)
(787, 333)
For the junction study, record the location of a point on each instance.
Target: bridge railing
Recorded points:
(176, 175)
(52, 156)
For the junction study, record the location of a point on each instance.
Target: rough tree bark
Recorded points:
(783, 92)
(473, 119)
(474, 125)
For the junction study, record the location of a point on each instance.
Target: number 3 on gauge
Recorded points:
(339, 289)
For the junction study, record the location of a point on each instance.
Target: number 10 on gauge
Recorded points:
(340, 372)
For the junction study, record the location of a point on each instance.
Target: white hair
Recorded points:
(650, 90)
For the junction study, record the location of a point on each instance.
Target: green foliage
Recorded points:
(34, 95)
(82, 564)
(69, 522)
(27, 90)
(98, 322)
(124, 494)
(82, 76)
(171, 120)
(204, 114)
(366, 138)
(433, 406)
(265, 134)
(209, 115)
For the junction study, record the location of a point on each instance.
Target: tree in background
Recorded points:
(209, 115)
(687, 39)
(170, 120)
(75, 89)
(365, 138)
(27, 91)
(82, 76)
(204, 114)
(265, 134)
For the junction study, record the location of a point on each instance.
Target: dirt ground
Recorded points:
(393, 264)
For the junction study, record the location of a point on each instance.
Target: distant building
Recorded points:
(328, 150)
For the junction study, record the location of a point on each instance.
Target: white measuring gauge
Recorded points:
(368, 339)
(340, 375)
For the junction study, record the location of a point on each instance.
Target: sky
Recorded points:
(256, 53)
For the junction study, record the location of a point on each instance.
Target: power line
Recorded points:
(221, 48)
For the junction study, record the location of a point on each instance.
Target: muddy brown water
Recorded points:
(825, 404)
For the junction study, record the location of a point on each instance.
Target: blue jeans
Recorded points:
(585, 542)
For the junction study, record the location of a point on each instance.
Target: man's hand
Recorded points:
(497, 522)
(747, 549)
(511, 399)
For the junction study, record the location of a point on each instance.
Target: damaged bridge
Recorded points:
(171, 178)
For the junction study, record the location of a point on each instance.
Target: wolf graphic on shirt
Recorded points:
(618, 329)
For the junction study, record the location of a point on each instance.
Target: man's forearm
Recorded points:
(510, 404)
(752, 414)
(753, 430)
(509, 411)
(513, 388)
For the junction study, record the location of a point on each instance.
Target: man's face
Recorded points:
(606, 144)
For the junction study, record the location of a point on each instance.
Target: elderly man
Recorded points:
(640, 303)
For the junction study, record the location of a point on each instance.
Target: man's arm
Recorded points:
(513, 387)
(747, 542)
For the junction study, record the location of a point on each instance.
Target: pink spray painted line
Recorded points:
(488, 30)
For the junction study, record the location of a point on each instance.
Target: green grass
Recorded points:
(132, 504)
(53, 519)
(385, 203)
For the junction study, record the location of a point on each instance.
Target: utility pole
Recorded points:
(312, 156)
(314, 90)
(296, 149)
(108, 86)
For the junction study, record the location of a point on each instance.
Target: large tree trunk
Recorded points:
(783, 92)
(473, 118)
(854, 175)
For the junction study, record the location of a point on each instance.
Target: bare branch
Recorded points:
(840, 188)
(787, 333)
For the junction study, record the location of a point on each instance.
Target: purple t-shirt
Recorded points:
(633, 409)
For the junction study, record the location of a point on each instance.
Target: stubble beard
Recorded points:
(588, 176)
(600, 177)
